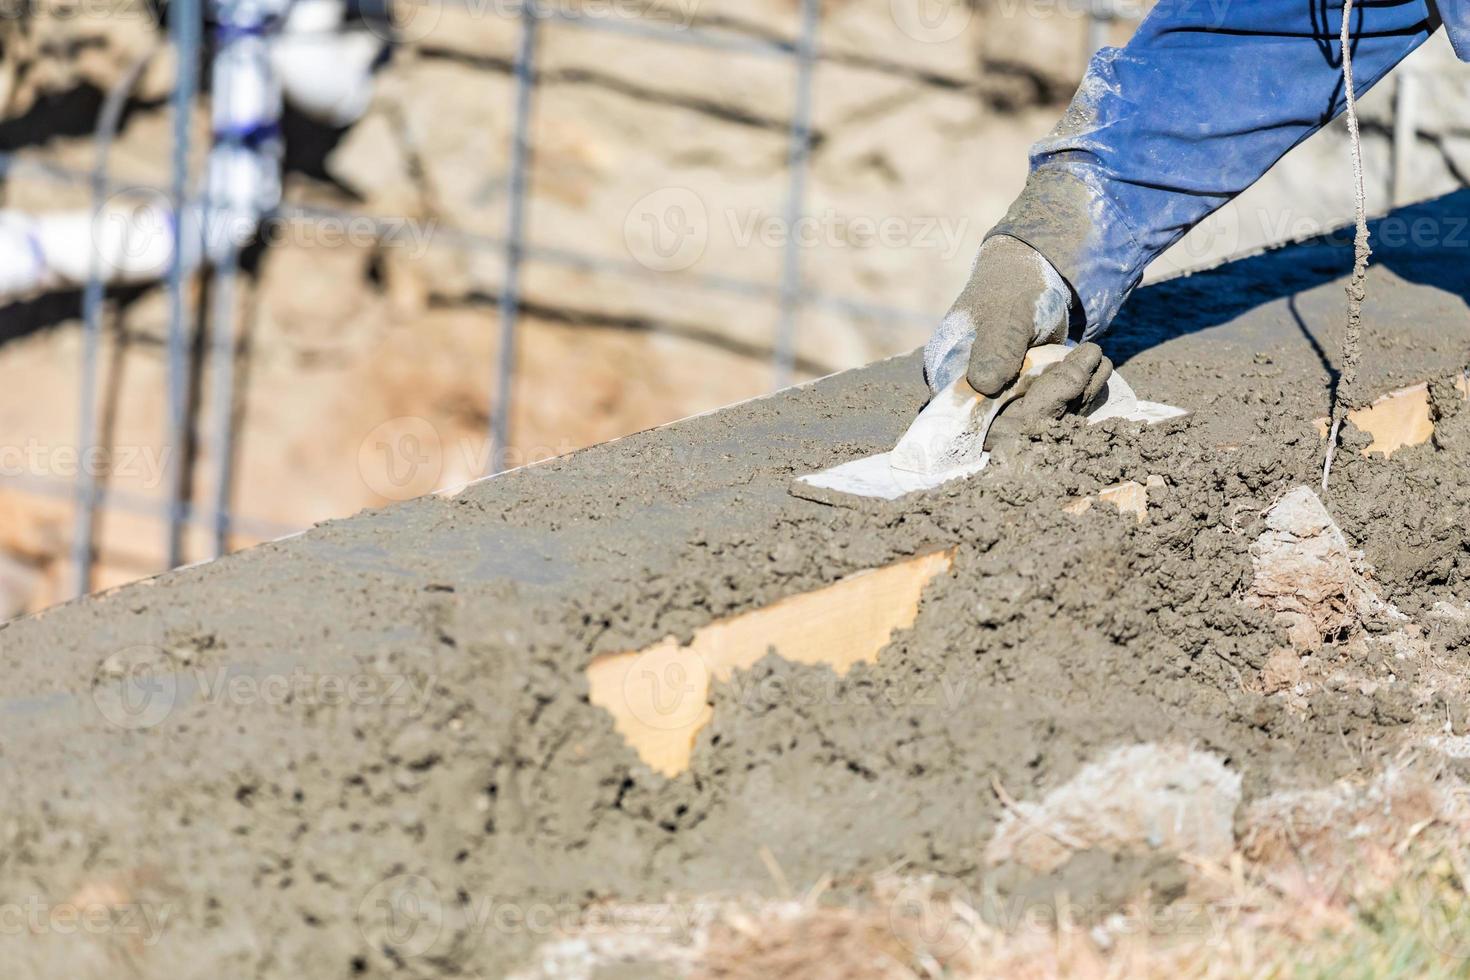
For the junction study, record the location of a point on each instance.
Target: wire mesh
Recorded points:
(790, 295)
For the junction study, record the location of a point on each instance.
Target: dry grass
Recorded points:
(1418, 927)
(1366, 879)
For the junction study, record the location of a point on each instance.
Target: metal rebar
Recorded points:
(799, 155)
(503, 396)
(84, 515)
(185, 24)
(222, 359)
(388, 227)
(12, 166)
(673, 34)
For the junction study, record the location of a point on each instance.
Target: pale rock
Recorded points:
(1283, 671)
(1169, 798)
(1450, 612)
(1304, 573)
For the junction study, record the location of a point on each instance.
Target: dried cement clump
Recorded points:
(1305, 573)
(1167, 798)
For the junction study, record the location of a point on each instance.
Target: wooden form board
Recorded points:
(1130, 497)
(1398, 419)
(659, 697)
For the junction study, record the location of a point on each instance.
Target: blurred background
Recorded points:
(422, 241)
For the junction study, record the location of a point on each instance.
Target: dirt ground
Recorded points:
(368, 750)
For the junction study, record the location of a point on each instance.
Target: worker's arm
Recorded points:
(1199, 104)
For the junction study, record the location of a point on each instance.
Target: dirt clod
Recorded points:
(1308, 576)
(1137, 798)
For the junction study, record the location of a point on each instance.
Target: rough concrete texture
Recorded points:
(368, 750)
(1304, 573)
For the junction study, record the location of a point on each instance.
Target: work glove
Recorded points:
(1069, 386)
(1014, 301)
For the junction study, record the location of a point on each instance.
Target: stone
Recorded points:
(1168, 798)
(1304, 571)
(1283, 671)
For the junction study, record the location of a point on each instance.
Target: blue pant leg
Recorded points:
(1200, 103)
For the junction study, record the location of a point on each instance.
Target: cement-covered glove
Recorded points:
(1014, 301)
(1069, 386)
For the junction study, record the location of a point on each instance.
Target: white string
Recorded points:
(1352, 346)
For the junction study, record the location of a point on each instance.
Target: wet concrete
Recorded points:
(335, 754)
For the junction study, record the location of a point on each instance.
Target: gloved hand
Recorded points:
(1069, 386)
(1014, 301)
